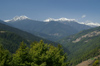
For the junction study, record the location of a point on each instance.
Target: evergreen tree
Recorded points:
(5, 57)
(39, 54)
(21, 57)
(47, 55)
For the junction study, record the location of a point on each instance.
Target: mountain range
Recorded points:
(21, 33)
(52, 30)
(63, 20)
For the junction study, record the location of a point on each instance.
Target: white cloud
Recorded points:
(60, 19)
(83, 16)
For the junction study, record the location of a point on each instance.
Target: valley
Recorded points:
(43, 29)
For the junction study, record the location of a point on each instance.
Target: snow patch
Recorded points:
(90, 23)
(60, 19)
(17, 18)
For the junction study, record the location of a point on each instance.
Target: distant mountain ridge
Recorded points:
(88, 23)
(53, 30)
(60, 19)
(75, 25)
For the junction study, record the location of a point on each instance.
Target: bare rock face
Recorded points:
(92, 34)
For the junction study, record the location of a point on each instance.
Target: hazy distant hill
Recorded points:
(23, 34)
(83, 45)
(48, 30)
(77, 26)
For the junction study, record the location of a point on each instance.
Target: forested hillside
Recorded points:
(11, 41)
(83, 45)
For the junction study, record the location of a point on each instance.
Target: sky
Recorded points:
(81, 10)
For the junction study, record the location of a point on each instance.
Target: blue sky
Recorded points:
(43, 9)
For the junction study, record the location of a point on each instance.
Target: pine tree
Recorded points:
(47, 55)
(5, 57)
(21, 57)
(39, 54)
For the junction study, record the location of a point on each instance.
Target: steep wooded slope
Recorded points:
(11, 40)
(83, 45)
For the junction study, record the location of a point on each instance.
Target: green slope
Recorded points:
(11, 40)
(83, 45)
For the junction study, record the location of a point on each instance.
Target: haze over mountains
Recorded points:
(51, 29)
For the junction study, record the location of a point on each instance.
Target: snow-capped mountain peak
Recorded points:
(17, 18)
(60, 19)
(20, 18)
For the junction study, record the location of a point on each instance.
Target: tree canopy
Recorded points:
(38, 54)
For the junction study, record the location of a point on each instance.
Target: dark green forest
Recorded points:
(38, 54)
(11, 40)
